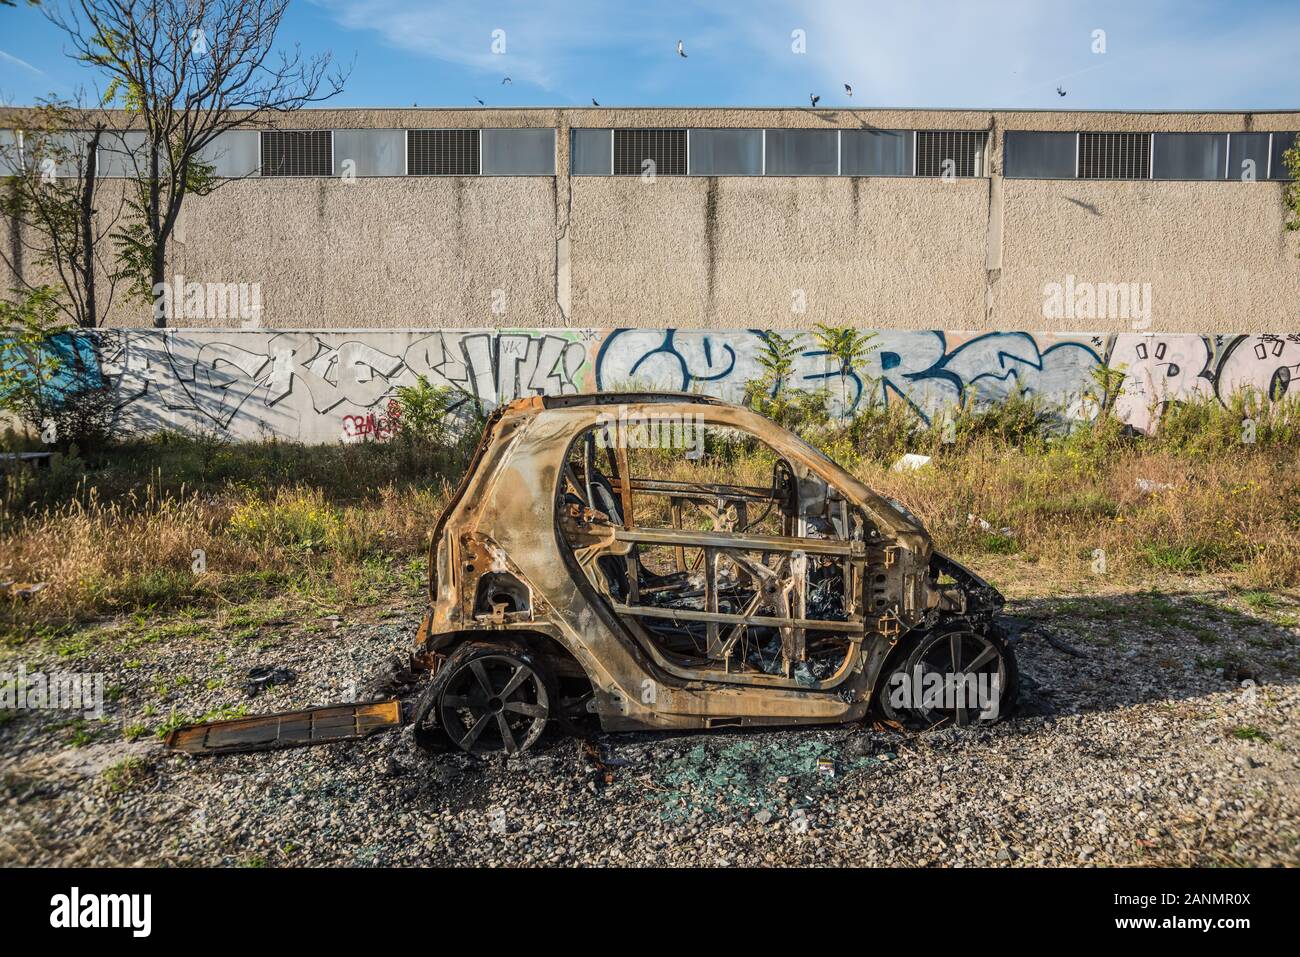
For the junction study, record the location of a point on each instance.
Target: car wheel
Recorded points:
(888, 705)
(983, 661)
(488, 697)
(923, 690)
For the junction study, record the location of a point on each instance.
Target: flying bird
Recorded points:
(1060, 92)
(813, 98)
(680, 51)
(593, 102)
(480, 102)
(506, 80)
(848, 89)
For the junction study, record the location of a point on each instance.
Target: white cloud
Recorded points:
(541, 40)
(10, 58)
(965, 53)
(1014, 53)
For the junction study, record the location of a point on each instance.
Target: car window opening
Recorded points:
(710, 568)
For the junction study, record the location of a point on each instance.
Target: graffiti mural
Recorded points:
(325, 386)
(319, 386)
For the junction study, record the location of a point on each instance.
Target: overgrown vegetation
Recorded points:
(42, 384)
(1291, 191)
(437, 415)
(175, 521)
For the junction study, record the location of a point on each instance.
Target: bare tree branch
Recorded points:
(186, 72)
(53, 197)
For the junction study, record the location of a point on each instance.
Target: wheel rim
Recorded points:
(494, 702)
(961, 653)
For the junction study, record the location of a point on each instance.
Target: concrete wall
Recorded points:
(1216, 254)
(723, 252)
(737, 252)
(336, 385)
(383, 253)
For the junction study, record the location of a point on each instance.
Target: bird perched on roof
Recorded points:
(680, 51)
(813, 98)
(848, 89)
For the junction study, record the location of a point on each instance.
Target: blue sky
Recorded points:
(1160, 54)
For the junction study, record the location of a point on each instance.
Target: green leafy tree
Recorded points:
(30, 368)
(425, 411)
(849, 348)
(1291, 192)
(1107, 381)
(437, 414)
(777, 360)
(772, 395)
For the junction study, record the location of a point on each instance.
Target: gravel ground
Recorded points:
(1154, 728)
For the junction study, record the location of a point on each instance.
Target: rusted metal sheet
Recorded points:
(287, 729)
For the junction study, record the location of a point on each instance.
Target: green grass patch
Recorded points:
(1260, 600)
(995, 544)
(126, 775)
(1184, 559)
(1248, 732)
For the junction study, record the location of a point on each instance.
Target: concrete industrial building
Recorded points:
(744, 218)
(515, 252)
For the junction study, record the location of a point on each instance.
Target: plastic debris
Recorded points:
(975, 520)
(1149, 487)
(264, 676)
(910, 462)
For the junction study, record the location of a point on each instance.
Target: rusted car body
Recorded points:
(562, 581)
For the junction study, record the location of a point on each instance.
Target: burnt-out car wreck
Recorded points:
(575, 572)
(598, 560)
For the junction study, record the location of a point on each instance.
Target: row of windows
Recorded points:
(66, 152)
(1198, 156)
(694, 152)
(516, 152)
(743, 152)
(522, 152)
(603, 152)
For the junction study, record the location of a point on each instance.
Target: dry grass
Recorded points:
(1133, 514)
(1141, 512)
(153, 551)
(338, 526)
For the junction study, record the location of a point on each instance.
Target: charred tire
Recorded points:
(884, 705)
(979, 657)
(487, 697)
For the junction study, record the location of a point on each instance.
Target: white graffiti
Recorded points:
(1159, 369)
(314, 386)
(318, 386)
(1268, 365)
